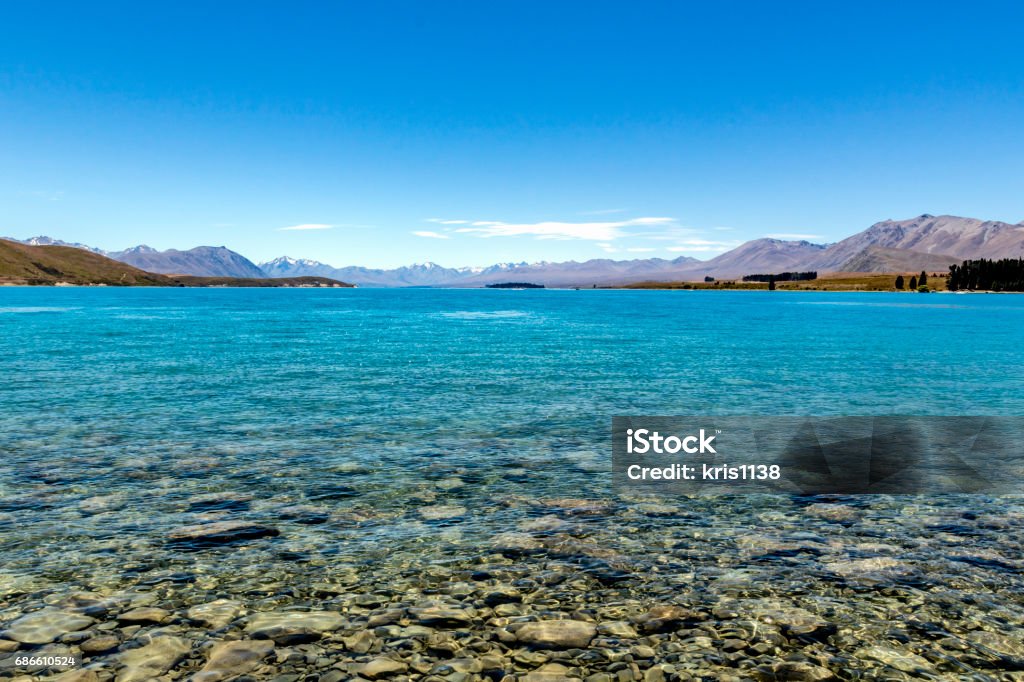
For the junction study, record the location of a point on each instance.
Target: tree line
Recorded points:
(917, 282)
(782, 277)
(1006, 274)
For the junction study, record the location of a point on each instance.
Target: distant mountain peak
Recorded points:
(202, 261)
(43, 240)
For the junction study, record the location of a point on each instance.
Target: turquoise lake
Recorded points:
(391, 441)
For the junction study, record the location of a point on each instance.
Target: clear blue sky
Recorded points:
(563, 130)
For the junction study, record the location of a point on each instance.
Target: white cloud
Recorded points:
(305, 226)
(607, 248)
(441, 221)
(702, 246)
(594, 231)
(792, 235)
(705, 242)
(430, 235)
(699, 249)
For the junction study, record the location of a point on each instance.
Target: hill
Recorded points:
(761, 255)
(882, 259)
(202, 261)
(26, 264)
(944, 235)
(926, 242)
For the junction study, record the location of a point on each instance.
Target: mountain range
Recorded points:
(926, 242)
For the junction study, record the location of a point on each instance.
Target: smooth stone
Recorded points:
(385, 617)
(557, 634)
(7, 646)
(663, 617)
(793, 619)
(444, 615)
(219, 533)
(457, 665)
(153, 660)
(839, 513)
(146, 614)
(216, 614)
(293, 627)
(99, 644)
(799, 671)
(75, 676)
(502, 595)
(861, 567)
(305, 514)
(383, 667)
(904, 661)
(643, 652)
(45, 626)
(617, 628)
(222, 501)
(516, 543)
(1010, 647)
(654, 674)
(360, 642)
(550, 672)
(229, 659)
(439, 512)
(543, 524)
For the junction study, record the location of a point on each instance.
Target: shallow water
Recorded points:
(386, 447)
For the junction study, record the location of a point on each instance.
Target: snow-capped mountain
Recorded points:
(286, 266)
(204, 261)
(42, 240)
(925, 242)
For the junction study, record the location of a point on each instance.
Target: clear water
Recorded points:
(368, 408)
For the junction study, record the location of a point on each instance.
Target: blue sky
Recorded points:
(473, 132)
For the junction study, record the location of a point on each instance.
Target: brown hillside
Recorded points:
(24, 264)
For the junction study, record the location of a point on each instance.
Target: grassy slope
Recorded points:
(24, 264)
(836, 281)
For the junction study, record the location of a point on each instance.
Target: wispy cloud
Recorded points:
(441, 221)
(706, 242)
(305, 226)
(792, 235)
(703, 246)
(641, 249)
(607, 248)
(699, 249)
(594, 231)
(430, 235)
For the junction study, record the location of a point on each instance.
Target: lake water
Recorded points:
(367, 451)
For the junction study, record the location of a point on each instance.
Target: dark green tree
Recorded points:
(923, 279)
(899, 282)
(913, 283)
(771, 284)
(987, 275)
